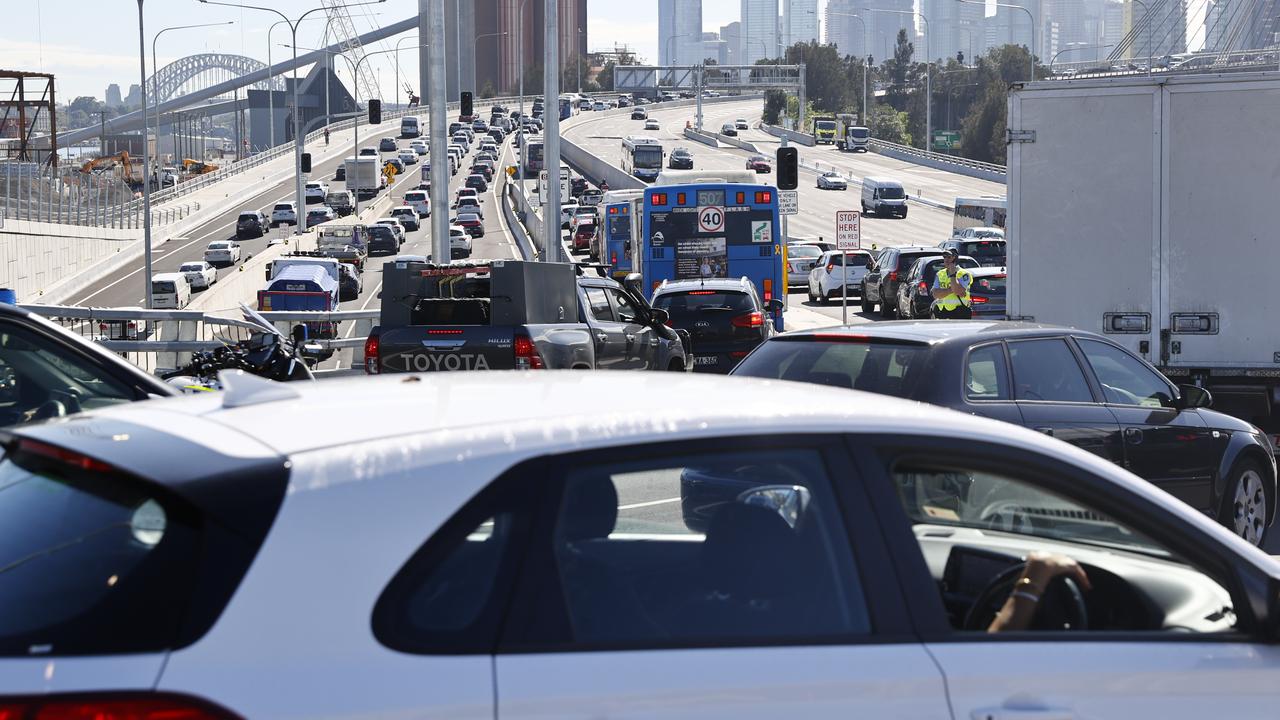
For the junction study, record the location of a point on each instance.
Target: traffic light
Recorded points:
(960, 56)
(466, 103)
(306, 162)
(375, 112)
(788, 171)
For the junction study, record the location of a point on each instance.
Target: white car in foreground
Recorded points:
(200, 274)
(482, 545)
(225, 252)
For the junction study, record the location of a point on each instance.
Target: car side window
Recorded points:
(976, 521)
(1047, 370)
(1125, 380)
(627, 311)
(986, 375)
(708, 548)
(598, 302)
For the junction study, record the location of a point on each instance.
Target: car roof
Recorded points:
(739, 283)
(931, 332)
(987, 271)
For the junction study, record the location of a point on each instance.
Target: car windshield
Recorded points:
(874, 365)
(191, 267)
(891, 193)
(284, 207)
(860, 133)
(468, 218)
(692, 304)
(803, 251)
(983, 248)
(826, 125)
(218, 246)
(988, 234)
(380, 231)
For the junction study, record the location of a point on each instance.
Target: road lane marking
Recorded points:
(651, 503)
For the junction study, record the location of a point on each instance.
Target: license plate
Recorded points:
(706, 360)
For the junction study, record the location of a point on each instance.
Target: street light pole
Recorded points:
(1030, 18)
(477, 42)
(299, 198)
(928, 72)
(146, 162)
(155, 82)
(398, 68)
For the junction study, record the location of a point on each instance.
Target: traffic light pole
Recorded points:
(786, 261)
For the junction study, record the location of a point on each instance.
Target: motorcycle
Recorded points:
(266, 353)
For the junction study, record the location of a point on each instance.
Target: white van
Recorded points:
(883, 197)
(170, 291)
(409, 127)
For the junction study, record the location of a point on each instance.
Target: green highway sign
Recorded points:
(946, 140)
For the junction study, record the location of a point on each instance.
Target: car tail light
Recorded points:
(978, 300)
(112, 706)
(749, 320)
(893, 276)
(831, 267)
(372, 347)
(739, 354)
(527, 357)
(613, 258)
(923, 287)
(67, 457)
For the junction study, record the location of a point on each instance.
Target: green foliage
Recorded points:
(775, 101)
(889, 125)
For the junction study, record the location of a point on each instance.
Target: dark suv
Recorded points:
(1074, 385)
(725, 319)
(382, 239)
(252, 224)
(989, 252)
(680, 159)
(885, 272)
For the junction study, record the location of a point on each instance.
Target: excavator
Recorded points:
(120, 158)
(195, 167)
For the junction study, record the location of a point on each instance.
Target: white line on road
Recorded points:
(632, 506)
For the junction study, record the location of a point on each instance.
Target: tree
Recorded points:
(775, 101)
(889, 125)
(902, 52)
(982, 134)
(85, 104)
(826, 79)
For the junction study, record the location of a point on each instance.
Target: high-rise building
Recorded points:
(1162, 33)
(505, 17)
(1012, 27)
(134, 98)
(731, 35)
(799, 22)
(883, 27)
(713, 48)
(845, 32)
(1112, 26)
(113, 95)
(956, 27)
(679, 32)
(759, 30)
(1070, 17)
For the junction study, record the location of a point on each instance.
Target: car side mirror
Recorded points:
(871, 265)
(660, 316)
(775, 305)
(1191, 397)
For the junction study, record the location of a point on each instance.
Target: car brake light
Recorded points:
(372, 347)
(749, 320)
(739, 354)
(527, 357)
(923, 288)
(62, 455)
(112, 706)
(893, 276)
(978, 299)
(830, 266)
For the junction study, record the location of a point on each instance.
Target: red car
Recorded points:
(582, 236)
(470, 222)
(759, 163)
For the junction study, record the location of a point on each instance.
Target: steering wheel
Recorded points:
(1061, 605)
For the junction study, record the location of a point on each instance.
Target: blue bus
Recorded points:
(622, 211)
(712, 228)
(566, 107)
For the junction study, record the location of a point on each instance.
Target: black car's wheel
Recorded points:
(1244, 506)
(885, 310)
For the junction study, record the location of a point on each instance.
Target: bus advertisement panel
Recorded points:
(710, 230)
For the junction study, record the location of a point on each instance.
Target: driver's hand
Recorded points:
(1043, 567)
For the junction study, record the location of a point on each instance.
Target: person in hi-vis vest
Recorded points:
(951, 299)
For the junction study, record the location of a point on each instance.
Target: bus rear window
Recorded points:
(90, 562)
(887, 368)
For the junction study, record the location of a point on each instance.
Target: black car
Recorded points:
(350, 284)
(680, 159)
(497, 134)
(989, 252)
(48, 372)
(477, 181)
(1074, 385)
(915, 293)
(483, 169)
(252, 224)
(340, 173)
(387, 144)
(577, 186)
(725, 319)
(397, 164)
(885, 272)
(382, 239)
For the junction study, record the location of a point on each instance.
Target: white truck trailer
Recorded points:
(1148, 210)
(364, 176)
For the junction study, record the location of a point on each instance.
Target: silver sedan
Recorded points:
(831, 180)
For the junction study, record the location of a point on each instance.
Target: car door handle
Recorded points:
(631, 339)
(1019, 714)
(1133, 435)
(1046, 430)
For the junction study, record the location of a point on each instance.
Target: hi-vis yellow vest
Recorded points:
(953, 301)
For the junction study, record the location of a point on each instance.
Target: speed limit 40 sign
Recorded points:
(848, 230)
(710, 219)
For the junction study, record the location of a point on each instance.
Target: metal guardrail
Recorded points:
(939, 157)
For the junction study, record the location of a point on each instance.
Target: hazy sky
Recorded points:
(89, 44)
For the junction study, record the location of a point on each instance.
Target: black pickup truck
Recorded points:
(510, 314)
